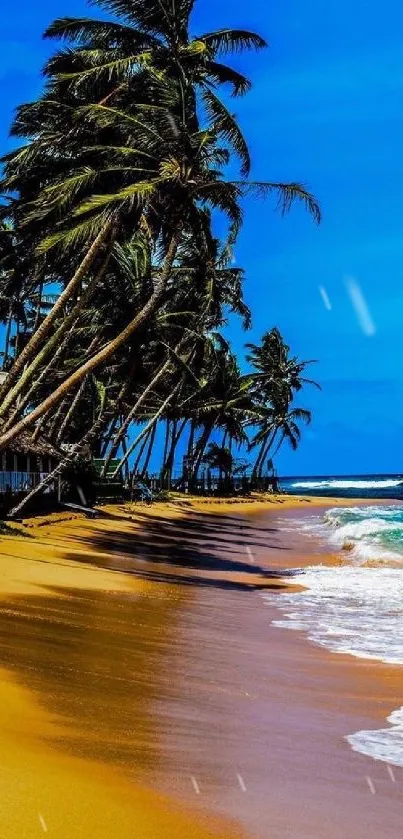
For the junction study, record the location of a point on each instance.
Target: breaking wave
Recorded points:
(356, 607)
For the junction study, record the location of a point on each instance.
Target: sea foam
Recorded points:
(349, 610)
(356, 608)
(334, 483)
(385, 744)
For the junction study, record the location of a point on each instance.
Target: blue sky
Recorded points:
(327, 110)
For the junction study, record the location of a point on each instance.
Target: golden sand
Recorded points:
(90, 647)
(43, 788)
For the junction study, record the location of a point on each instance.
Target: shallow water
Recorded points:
(356, 606)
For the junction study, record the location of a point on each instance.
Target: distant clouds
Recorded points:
(360, 306)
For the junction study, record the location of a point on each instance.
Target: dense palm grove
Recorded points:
(114, 285)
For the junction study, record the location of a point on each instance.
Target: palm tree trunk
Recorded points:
(39, 306)
(69, 458)
(149, 452)
(145, 430)
(58, 417)
(70, 413)
(191, 437)
(168, 459)
(122, 393)
(66, 325)
(124, 447)
(43, 375)
(109, 435)
(7, 338)
(141, 452)
(201, 446)
(42, 333)
(39, 427)
(130, 417)
(279, 444)
(176, 435)
(255, 470)
(103, 355)
(265, 451)
(166, 444)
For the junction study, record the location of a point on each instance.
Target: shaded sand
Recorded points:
(139, 655)
(80, 649)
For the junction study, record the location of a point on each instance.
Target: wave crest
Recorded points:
(385, 744)
(387, 483)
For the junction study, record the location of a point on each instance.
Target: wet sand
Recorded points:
(148, 694)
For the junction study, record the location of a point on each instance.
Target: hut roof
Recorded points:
(24, 444)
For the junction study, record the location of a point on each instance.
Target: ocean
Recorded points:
(351, 486)
(355, 607)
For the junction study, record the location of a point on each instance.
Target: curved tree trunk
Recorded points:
(69, 458)
(255, 471)
(145, 430)
(131, 415)
(104, 354)
(124, 447)
(58, 418)
(123, 391)
(70, 413)
(42, 333)
(66, 326)
(45, 372)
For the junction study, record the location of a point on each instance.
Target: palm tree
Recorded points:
(220, 457)
(128, 169)
(116, 55)
(277, 377)
(121, 62)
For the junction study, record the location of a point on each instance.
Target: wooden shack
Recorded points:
(25, 463)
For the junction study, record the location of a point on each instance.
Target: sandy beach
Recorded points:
(147, 692)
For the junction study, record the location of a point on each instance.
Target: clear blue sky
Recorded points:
(327, 109)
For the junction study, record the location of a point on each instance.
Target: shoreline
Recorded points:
(222, 698)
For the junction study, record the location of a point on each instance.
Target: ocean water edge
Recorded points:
(355, 607)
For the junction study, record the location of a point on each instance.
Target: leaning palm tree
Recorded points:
(133, 140)
(121, 62)
(177, 187)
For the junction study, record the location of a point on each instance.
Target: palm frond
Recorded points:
(108, 32)
(226, 126)
(222, 74)
(287, 195)
(111, 70)
(233, 40)
(74, 237)
(138, 192)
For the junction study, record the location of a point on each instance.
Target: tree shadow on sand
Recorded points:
(163, 550)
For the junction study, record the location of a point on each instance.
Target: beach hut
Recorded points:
(25, 463)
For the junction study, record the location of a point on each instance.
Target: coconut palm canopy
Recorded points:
(112, 199)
